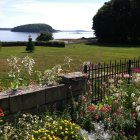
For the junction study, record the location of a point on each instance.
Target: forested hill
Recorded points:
(33, 28)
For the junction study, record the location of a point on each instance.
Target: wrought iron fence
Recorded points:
(101, 76)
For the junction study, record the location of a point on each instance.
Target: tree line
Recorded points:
(118, 21)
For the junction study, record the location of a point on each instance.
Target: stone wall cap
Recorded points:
(73, 75)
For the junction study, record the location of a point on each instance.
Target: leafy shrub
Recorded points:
(44, 36)
(30, 45)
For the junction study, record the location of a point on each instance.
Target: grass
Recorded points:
(47, 57)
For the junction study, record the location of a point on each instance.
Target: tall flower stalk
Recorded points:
(18, 68)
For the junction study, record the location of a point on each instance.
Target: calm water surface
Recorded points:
(6, 35)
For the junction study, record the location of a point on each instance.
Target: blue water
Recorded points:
(7, 35)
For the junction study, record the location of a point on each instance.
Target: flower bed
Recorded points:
(116, 117)
(118, 113)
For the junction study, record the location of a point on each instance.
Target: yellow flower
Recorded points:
(84, 138)
(60, 127)
(33, 138)
(52, 132)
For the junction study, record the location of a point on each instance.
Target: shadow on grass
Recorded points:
(100, 44)
(27, 52)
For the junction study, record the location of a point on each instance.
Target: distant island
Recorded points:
(38, 27)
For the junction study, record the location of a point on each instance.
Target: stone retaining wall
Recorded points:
(41, 99)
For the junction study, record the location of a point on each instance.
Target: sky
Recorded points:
(60, 14)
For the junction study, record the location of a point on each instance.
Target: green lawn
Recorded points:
(47, 57)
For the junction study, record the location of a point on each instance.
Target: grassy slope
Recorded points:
(47, 57)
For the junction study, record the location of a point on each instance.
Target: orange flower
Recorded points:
(1, 113)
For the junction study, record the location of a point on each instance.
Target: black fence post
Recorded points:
(85, 68)
(129, 71)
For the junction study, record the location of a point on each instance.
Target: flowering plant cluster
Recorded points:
(52, 76)
(57, 130)
(21, 70)
(45, 127)
(119, 112)
(18, 69)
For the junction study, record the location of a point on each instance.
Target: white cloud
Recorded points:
(58, 15)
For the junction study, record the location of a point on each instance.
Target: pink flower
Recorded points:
(119, 110)
(96, 116)
(126, 75)
(84, 99)
(108, 120)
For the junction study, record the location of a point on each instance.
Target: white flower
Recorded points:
(139, 114)
(139, 100)
(132, 95)
(111, 80)
(138, 108)
(134, 104)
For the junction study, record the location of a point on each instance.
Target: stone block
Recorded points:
(33, 99)
(15, 103)
(56, 93)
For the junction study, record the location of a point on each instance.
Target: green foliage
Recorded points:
(44, 36)
(117, 21)
(30, 45)
(33, 28)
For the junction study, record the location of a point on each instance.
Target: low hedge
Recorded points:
(59, 44)
(16, 43)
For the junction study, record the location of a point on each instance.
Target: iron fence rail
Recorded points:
(102, 75)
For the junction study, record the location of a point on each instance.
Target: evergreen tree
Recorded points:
(30, 45)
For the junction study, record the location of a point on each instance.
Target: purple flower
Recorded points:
(137, 70)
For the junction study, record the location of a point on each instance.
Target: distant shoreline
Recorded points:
(5, 28)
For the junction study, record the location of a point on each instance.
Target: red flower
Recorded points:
(1, 113)
(91, 108)
(106, 108)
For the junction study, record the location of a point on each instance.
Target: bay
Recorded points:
(7, 35)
